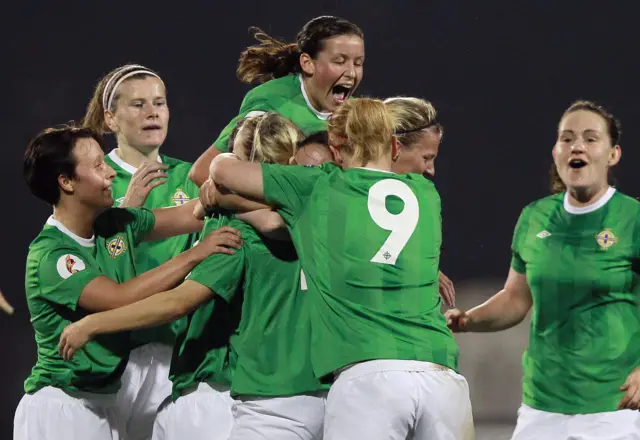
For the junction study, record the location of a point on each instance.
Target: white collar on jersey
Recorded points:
(589, 208)
(122, 164)
(86, 242)
(373, 169)
(320, 115)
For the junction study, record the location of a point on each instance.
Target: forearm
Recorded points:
(237, 203)
(502, 311)
(161, 278)
(175, 221)
(158, 309)
(269, 223)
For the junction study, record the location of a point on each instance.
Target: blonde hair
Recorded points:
(268, 138)
(362, 128)
(275, 139)
(411, 116)
(106, 94)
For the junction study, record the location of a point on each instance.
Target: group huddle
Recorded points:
(287, 284)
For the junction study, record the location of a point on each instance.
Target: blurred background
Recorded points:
(500, 73)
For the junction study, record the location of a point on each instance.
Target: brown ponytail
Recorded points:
(267, 60)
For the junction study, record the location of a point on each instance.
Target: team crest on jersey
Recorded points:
(606, 239)
(116, 247)
(69, 264)
(180, 197)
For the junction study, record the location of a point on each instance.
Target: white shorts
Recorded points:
(145, 385)
(298, 417)
(53, 414)
(396, 400)
(202, 414)
(616, 425)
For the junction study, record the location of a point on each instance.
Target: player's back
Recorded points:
(370, 244)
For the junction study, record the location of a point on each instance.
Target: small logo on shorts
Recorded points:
(180, 197)
(606, 239)
(69, 264)
(116, 246)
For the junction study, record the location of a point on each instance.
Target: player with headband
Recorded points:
(131, 103)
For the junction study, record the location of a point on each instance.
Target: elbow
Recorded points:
(196, 174)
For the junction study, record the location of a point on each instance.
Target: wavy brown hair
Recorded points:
(272, 58)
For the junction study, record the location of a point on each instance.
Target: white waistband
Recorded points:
(363, 368)
(89, 399)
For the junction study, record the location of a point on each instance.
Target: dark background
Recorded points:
(500, 74)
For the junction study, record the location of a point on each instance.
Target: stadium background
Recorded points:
(500, 74)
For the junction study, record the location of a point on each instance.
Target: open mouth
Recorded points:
(341, 92)
(577, 163)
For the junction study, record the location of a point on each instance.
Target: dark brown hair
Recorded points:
(50, 155)
(272, 58)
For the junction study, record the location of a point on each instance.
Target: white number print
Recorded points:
(401, 225)
(303, 281)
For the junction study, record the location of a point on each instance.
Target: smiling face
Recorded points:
(584, 152)
(91, 184)
(420, 156)
(141, 115)
(334, 74)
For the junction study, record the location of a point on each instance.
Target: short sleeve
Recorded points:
(517, 263)
(222, 273)
(63, 274)
(144, 220)
(288, 187)
(249, 104)
(139, 221)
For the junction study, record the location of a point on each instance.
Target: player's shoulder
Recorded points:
(174, 163)
(273, 92)
(545, 205)
(625, 202)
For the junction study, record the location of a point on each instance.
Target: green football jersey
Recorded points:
(369, 243)
(285, 96)
(585, 323)
(201, 352)
(176, 191)
(271, 346)
(59, 266)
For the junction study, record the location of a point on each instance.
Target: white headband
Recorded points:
(106, 103)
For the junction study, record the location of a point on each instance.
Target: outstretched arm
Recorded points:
(158, 309)
(503, 310)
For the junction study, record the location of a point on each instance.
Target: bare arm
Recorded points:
(175, 221)
(505, 309)
(244, 178)
(269, 223)
(199, 172)
(158, 309)
(103, 293)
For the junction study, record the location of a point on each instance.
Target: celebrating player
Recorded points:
(419, 135)
(304, 81)
(71, 272)
(573, 257)
(278, 395)
(131, 103)
(369, 243)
